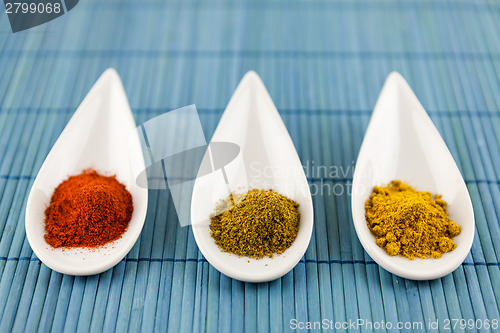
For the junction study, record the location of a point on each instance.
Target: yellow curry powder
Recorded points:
(410, 223)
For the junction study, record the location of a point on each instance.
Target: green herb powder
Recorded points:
(261, 223)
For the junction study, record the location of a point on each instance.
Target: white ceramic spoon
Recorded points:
(402, 143)
(267, 160)
(101, 135)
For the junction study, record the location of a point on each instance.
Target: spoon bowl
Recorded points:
(266, 159)
(101, 135)
(402, 143)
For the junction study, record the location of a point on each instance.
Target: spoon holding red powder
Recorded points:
(88, 210)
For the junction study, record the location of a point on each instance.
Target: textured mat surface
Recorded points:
(324, 64)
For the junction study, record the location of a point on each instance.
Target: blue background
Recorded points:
(324, 63)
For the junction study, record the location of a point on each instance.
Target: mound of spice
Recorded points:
(261, 223)
(410, 223)
(88, 210)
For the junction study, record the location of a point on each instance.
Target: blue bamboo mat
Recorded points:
(324, 63)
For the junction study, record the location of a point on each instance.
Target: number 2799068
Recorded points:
(23, 7)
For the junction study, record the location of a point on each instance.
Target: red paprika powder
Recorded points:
(88, 210)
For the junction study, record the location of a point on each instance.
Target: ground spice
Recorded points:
(262, 223)
(410, 223)
(88, 210)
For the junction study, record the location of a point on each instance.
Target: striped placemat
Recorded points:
(324, 63)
